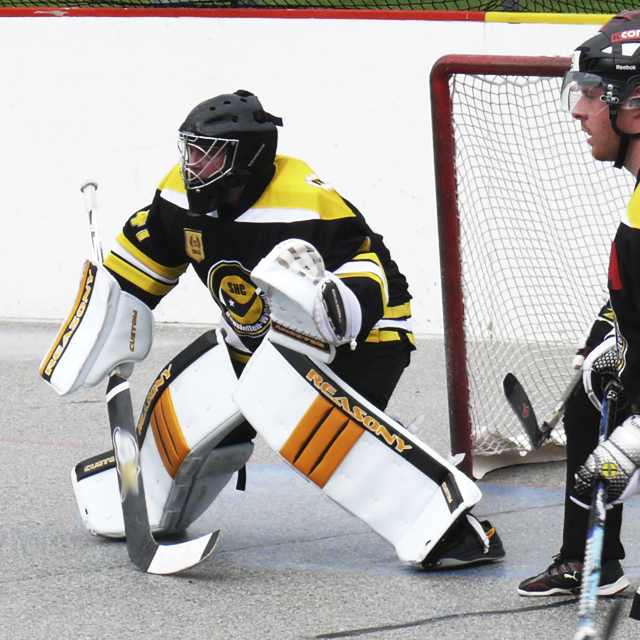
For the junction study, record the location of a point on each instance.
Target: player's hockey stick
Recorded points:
(595, 531)
(143, 550)
(519, 402)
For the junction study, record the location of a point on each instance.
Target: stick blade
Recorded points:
(169, 559)
(519, 401)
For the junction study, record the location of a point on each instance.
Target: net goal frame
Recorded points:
(515, 315)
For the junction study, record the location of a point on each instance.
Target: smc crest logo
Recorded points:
(244, 308)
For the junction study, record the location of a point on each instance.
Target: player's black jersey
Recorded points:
(624, 288)
(158, 243)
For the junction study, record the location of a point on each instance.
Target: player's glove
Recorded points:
(599, 367)
(312, 310)
(336, 310)
(599, 330)
(615, 461)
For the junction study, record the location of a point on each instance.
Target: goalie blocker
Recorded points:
(361, 458)
(106, 328)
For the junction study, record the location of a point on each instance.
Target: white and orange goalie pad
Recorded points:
(187, 412)
(106, 328)
(360, 457)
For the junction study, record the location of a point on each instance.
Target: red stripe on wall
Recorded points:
(311, 14)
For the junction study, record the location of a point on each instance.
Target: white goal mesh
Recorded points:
(536, 218)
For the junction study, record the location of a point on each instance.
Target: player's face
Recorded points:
(593, 115)
(204, 160)
(207, 164)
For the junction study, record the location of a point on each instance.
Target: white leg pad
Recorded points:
(187, 413)
(360, 457)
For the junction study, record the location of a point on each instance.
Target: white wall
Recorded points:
(102, 98)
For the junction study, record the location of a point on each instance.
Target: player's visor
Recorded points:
(204, 160)
(575, 85)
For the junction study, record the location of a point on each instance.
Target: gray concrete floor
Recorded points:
(290, 564)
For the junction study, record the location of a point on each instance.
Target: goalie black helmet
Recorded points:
(609, 60)
(226, 142)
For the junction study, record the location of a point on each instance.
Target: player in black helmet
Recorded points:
(602, 91)
(249, 221)
(226, 144)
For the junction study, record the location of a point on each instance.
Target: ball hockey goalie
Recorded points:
(314, 335)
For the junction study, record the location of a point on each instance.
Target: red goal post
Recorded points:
(525, 221)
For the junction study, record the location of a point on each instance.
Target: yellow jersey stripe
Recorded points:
(388, 335)
(170, 273)
(400, 311)
(136, 277)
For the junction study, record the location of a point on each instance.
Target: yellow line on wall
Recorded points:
(547, 18)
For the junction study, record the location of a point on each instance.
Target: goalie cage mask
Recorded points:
(226, 142)
(611, 61)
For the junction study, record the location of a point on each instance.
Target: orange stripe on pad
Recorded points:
(320, 441)
(168, 435)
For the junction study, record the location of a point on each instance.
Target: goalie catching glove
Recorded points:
(615, 461)
(312, 310)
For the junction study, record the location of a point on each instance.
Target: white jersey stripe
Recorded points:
(273, 214)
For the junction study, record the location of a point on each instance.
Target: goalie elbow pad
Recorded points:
(107, 327)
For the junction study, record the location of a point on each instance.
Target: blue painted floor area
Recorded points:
(282, 519)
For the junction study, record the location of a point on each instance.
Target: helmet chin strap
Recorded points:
(622, 152)
(625, 138)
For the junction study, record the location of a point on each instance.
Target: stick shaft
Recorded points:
(90, 202)
(591, 569)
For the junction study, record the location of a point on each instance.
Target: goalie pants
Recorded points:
(582, 425)
(373, 370)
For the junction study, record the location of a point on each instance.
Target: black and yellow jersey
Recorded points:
(624, 289)
(159, 242)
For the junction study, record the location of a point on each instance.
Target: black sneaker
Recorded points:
(468, 542)
(635, 606)
(564, 577)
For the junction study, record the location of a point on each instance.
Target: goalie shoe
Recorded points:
(468, 542)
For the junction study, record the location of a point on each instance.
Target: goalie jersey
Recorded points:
(159, 242)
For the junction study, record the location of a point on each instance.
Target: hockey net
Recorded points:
(526, 219)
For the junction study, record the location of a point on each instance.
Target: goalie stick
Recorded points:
(521, 405)
(143, 550)
(595, 528)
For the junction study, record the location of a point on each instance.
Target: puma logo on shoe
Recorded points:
(573, 576)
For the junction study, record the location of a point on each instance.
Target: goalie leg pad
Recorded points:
(360, 457)
(187, 413)
(107, 327)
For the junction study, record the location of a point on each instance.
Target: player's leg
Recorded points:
(374, 371)
(192, 440)
(360, 457)
(564, 575)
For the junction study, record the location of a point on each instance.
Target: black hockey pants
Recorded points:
(582, 424)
